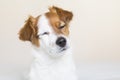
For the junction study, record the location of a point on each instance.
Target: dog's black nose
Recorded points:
(61, 41)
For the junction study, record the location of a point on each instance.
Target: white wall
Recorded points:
(95, 29)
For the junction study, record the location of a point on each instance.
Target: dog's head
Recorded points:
(49, 31)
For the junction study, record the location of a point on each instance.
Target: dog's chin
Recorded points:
(59, 53)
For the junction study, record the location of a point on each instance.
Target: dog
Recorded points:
(49, 35)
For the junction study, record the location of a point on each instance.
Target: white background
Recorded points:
(95, 35)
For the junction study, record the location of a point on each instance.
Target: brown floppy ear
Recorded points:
(64, 15)
(29, 31)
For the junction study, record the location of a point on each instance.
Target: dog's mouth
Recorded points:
(63, 49)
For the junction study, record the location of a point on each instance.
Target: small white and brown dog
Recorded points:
(49, 35)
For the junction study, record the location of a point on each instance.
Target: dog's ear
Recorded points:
(64, 15)
(29, 31)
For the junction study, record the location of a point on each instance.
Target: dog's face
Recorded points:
(49, 31)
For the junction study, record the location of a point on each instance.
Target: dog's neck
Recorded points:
(43, 58)
(60, 68)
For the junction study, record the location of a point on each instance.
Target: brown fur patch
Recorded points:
(29, 31)
(57, 16)
(64, 15)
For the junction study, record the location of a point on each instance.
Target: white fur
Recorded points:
(50, 63)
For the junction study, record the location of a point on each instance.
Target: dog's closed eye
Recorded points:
(61, 27)
(45, 33)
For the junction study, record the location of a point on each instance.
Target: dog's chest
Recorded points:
(58, 70)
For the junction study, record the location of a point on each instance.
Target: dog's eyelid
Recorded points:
(45, 33)
(62, 26)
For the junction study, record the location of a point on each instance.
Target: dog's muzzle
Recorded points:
(61, 42)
